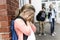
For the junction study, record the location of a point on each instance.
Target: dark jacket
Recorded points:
(41, 16)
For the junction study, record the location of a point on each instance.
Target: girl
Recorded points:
(24, 28)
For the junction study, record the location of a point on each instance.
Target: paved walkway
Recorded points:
(47, 30)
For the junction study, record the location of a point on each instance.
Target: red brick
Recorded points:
(9, 18)
(11, 10)
(0, 17)
(15, 4)
(4, 23)
(7, 10)
(6, 29)
(3, 6)
(3, 12)
(11, 13)
(0, 24)
(6, 18)
(9, 7)
(2, 2)
(16, 1)
(6, 36)
(8, 2)
(3, 18)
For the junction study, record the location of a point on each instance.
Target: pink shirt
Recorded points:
(21, 27)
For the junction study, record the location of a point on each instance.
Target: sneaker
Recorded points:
(44, 34)
(40, 34)
(53, 34)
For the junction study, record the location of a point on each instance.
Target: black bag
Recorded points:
(13, 32)
(41, 16)
(37, 18)
(49, 14)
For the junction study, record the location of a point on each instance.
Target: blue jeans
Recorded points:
(52, 25)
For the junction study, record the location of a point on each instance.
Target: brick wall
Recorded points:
(7, 10)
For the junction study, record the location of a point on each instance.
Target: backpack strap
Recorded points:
(24, 36)
(22, 19)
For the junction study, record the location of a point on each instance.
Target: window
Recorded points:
(52, 0)
(44, 0)
(59, 15)
(57, 0)
(23, 2)
(58, 6)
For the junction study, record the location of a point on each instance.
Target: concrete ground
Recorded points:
(47, 31)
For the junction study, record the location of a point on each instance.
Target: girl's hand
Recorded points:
(28, 24)
(33, 27)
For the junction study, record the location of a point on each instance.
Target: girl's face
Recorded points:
(28, 14)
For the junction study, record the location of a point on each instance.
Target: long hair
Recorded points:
(18, 13)
(26, 6)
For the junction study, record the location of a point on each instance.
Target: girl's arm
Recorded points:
(33, 27)
(21, 26)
